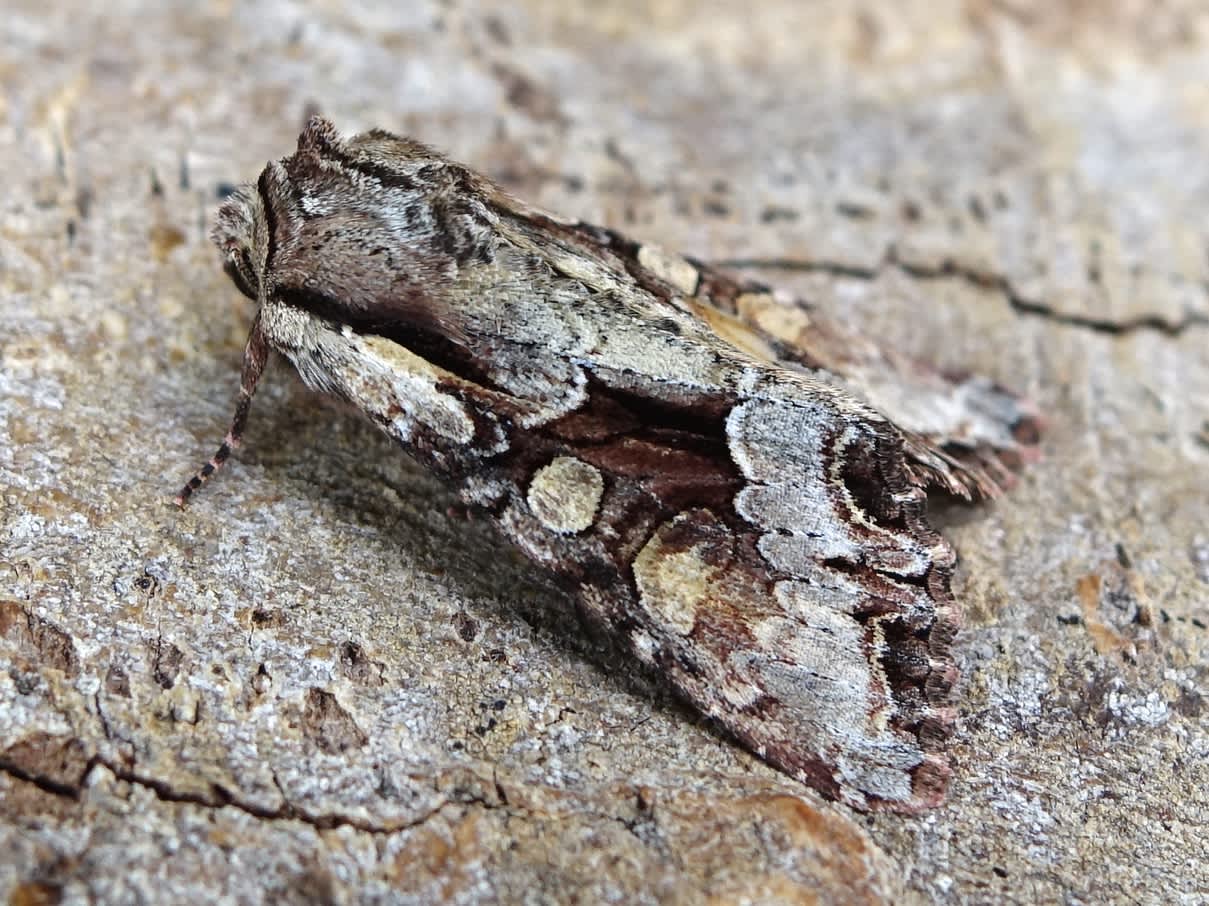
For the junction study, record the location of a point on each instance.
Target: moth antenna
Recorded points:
(255, 355)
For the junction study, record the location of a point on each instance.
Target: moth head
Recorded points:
(241, 235)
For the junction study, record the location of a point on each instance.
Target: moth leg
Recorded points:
(255, 354)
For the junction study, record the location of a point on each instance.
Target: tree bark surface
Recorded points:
(315, 685)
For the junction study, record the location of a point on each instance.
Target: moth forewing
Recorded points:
(737, 517)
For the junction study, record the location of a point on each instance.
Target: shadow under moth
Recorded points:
(730, 485)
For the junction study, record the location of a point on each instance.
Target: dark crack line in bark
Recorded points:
(287, 811)
(981, 279)
(45, 784)
(800, 265)
(223, 798)
(1112, 328)
(105, 728)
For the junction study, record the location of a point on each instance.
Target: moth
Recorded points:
(730, 485)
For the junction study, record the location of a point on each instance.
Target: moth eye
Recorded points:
(242, 274)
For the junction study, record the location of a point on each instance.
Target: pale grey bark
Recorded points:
(314, 685)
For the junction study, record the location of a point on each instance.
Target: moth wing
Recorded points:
(752, 532)
(963, 433)
(813, 620)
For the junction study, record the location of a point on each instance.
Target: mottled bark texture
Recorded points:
(317, 684)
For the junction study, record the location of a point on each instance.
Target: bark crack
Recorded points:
(984, 279)
(220, 797)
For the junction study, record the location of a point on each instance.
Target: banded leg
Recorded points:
(255, 354)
